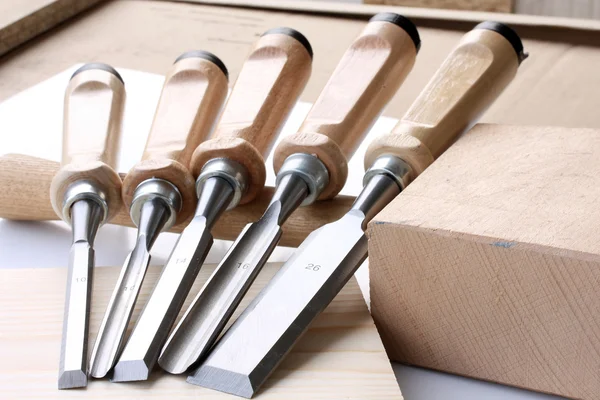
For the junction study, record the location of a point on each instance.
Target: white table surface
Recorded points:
(39, 134)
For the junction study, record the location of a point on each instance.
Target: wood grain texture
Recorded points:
(559, 8)
(563, 95)
(93, 116)
(504, 6)
(21, 21)
(341, 356)
(488, 265)
(26, 187)
(267, 88)
(190, 102)
(470, 79)
(366, 78)
(439, 16)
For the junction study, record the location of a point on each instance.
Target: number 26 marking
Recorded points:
(313, 267)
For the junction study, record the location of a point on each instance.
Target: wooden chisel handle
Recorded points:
(470, 79)
(365, 79)
(93, 114)
(192, 95)
(25, 181)
(267, 88)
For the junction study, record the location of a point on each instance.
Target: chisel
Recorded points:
(230, 170)
(159, 190)
(86, 193)
(315, 166)
(469, 80)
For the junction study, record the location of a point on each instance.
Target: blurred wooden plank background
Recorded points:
(21, 20)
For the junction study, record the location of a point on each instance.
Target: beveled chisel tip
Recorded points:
(72, 379)
(131, 370)
(223, 381)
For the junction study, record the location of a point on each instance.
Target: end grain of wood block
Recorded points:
(488, 265)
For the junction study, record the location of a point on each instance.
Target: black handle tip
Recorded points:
(293, 33)
(508, 33)
(207, 56)
(100, 66)
(402, 22)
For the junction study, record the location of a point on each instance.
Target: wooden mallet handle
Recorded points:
(93, 114)
(365, 79)
(25, 196)
(470, 79)
(192, 95)
(267, 88)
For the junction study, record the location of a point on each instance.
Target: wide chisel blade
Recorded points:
(266, 331)
(280, 313)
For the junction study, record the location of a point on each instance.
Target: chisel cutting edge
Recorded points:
(159, 190)
(230, 170)
(470, 79)
(311, 164)
(86, 192)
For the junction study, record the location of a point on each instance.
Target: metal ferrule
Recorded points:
(310, 169)
(392, 166)
(155, 188)
(84, 189)
(232, 171)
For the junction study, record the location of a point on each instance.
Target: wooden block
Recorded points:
(504, 6)
(488, 265)
(341, 356)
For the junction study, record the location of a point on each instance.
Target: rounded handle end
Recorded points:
(97, 66)
(294, 34)
(206, 55)
(402, 22)
(509, 34)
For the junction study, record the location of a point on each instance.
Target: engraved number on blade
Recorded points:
(313, 267)
(243, 266)
(180, 260)
(126, 288)
(84, 279)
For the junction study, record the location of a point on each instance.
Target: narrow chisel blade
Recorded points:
(114, 325)
(151, 331)
(85, 220)
(109, 342)
(73, 351)
(217, 300)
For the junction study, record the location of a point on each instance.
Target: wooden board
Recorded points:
(149, 35)
(340, 357)
(559, 8)
(470, 5)
(21, 21)
(488, 265)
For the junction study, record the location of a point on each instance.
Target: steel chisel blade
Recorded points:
(262, 336)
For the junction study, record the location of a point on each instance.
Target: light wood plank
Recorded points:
(470, 5)
(341, 356)
(21, 21)
(560, 8)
